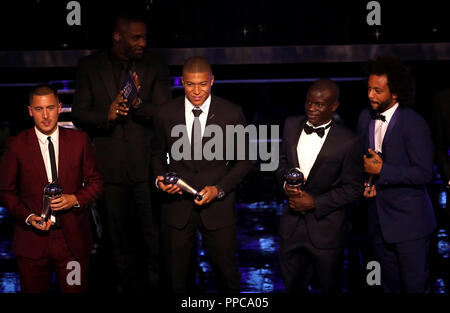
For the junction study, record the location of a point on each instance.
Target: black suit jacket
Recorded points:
(177, 209)
(123, 146)
(441, 130)
(335, 181)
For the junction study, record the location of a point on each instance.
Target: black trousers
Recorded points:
(177, 246)
(132, 236)
(300, 261)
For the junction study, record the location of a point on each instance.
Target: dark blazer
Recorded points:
(22, 181)
(335, 181)
(402, 203)
(123, 146)
(441, 129)
(177, 209)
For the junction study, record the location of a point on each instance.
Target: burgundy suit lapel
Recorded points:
(35, 155)
(63, 154)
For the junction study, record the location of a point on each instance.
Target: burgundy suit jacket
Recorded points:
(22, 181)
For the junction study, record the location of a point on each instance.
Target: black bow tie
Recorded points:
(377, 116)
(320, 131)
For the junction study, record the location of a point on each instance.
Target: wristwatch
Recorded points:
(221, 192)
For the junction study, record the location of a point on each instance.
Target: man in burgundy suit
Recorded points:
(33, 158)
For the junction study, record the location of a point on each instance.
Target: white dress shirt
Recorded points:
(308, 148)
(381, 128)
(189, 118)
(43, 144)
(189, 115)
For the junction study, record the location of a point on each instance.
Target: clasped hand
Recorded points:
(299, 200)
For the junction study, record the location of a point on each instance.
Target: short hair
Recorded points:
(125, 18)
(196, 64)
(323, 84)
(43, 90)
(400, 80)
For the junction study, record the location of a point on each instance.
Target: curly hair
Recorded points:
(400, 80)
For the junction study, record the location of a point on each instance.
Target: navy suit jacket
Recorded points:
(402, 204)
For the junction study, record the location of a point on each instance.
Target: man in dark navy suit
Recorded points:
(400, 162)
(441, 127)
(314, 227)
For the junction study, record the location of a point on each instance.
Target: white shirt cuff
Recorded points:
(26, 221)
(156, 183)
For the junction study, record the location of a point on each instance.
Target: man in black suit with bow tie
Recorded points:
(313, 228)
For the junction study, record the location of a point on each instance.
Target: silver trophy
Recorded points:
(173, 179)
(294, 178)
(51, 191)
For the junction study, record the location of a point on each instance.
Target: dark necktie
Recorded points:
(320, 131)
(51, 153)
(196, 135)
(377, 116)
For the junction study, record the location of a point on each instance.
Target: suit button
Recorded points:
(196, 172)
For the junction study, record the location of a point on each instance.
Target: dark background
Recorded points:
(41, 24)
(31, 27)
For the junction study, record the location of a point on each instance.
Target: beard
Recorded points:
(383, 105)
(134, 55)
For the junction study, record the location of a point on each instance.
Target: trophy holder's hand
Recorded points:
(292, 191)
(372, 163)
(64, 202)
(370, 192)
(117, 108)
(171, 189)
(301, 203)
(36, 222)
(209, 193)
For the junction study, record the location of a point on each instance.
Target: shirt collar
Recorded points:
(389, 113)
(323, 125)
(43, 137)
(204, 107)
